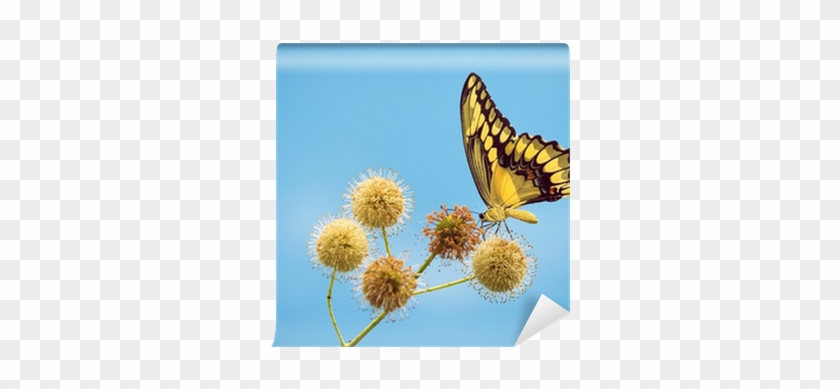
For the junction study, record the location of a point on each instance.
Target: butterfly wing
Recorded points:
(508, 169)
(544, 167)
(473, 120)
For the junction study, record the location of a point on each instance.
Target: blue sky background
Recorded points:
(343, 108)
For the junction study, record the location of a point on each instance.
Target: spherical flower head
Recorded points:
(338, 243)
(387, 284)
(379, 200)
(502, 269)
(453, 235)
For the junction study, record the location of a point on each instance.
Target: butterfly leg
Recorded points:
(508, 230)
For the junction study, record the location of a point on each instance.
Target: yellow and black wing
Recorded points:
(508, 169)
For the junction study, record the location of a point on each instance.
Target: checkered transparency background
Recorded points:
(137, 149)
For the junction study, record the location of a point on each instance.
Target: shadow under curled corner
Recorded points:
(343, 108)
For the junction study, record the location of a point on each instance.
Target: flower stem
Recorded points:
(425, 264)
(329, 307)
(385, 238)
(382, 314)
(444, 286)
(367, 329)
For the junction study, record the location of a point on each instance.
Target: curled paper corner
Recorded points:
(545, 313)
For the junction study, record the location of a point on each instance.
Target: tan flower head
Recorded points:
(379, 200)
(502, 269)
(387, 284)
(338, 243)
(453, 235)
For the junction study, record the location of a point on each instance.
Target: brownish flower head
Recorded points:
(453, 235)
(379, 200)
(388, 284)
(502, 269)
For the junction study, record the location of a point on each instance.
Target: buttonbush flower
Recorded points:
(338, 243)
(502, 269)
(379, 200)
(387, 284)
(453, 235)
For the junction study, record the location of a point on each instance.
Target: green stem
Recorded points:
(367, 329)
(382, 314)
(444, 286)
(329, 307)
(385, 238)
(425, 264)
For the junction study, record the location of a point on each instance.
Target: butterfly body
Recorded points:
(499, 214)
(509, 169)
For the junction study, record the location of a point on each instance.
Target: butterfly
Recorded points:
(509, 170)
